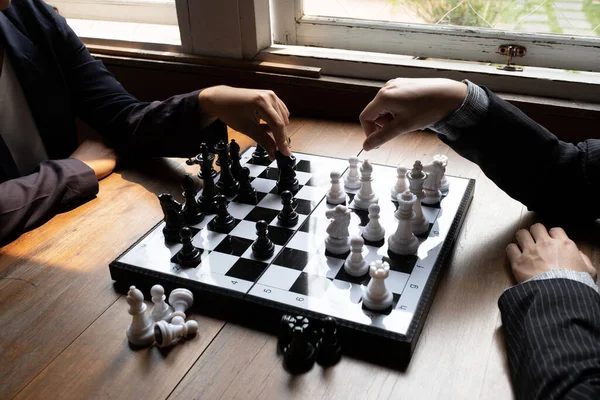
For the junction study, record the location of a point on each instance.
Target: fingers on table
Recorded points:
(539, 232)
(513, 252)
(525, 239)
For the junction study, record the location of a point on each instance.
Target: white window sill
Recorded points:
(142, 35)
(534, 81)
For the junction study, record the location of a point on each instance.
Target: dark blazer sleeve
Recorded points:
(531, 164)
(552, 333)
(31, 200)
(173, 127)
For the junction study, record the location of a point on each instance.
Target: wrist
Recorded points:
(206, 100)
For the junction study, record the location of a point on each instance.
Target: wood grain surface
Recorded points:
(63, 320)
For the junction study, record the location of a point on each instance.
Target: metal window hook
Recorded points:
(510, 51)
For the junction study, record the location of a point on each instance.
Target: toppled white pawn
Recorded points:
(352, 178)
(161, 310)
(181, 300)
(401, 185)
(355, 264)
(140, 332)
(365, 196)
(166, 334)
(374, 231)
(336, 194)
(403, 241)
(377, 296)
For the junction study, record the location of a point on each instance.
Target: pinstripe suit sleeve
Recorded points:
(552, 334)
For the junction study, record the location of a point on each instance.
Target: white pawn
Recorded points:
(355, 264)
(374, 231)
(161, 310)
(416, 179)
(365, 196)
(445, 185)
(181, 300)
(141, 330)
(377, 296)
(403, 241)
(352, 178)
(336, 194)
(400, 186)
(432, 184)
(167, 334)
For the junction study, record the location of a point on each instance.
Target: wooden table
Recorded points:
(63, 323)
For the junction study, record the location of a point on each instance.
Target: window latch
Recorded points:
(510, 51)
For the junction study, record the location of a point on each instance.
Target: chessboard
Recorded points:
(302, 278)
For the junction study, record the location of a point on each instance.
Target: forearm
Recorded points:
(31, 200)
(552, 332)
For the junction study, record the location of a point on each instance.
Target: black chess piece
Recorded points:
(206, 202)
(260, 156)
(199, 160)
(235, 157)
(287, 176)
(223, 222)
(262, 248)
(288, 215)
(191, 210)
(329, 348)
(299, 355)
(227, 184)
(284, 336)
(247, 193)
(173, 216)
(189, 255)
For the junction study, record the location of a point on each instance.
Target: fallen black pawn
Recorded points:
(299, 355)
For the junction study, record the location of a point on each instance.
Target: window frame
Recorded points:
(292, 27)
(161, 12)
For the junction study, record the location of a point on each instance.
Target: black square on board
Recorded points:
(303, 166)
(261, 214)
(315, 225)
(292, 258)
(401, 263)
(304, 207)
(311, 285)
(270, 173)
(279, 235)
(342, 275)
(233, 245)
(248, 270)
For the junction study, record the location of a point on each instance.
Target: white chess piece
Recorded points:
(374, 231)
(166, 334)
(141, 330)
(403, 241)
(377, 296)
(416, 179)
(181, 300)
(433, 183)
(335, 195)
(365, 196)
(161, 310)
(337, 241)
(355, 264)
(400, 185)
(352, 178)
(445, 185)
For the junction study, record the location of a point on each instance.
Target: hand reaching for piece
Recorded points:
(97, 156)
(242, 110)
(404, 105)
(540, 250)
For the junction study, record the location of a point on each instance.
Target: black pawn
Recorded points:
(329, 348)
(223, 222)
(206, 202)
(260, 156)
(173, 216)
(227, 185)
(288, 215)
(262, 248)
(191, 210)
(284, 336)
(235, 157)
(189, 255)
(286, 179)
(247, 193)
(299, 355)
